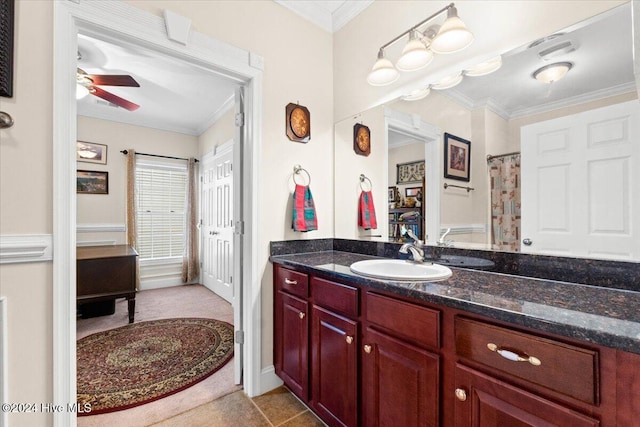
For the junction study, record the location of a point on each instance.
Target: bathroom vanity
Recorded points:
(478, 349)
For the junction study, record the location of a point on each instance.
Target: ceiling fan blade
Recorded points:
(114, 99)
(113, 80)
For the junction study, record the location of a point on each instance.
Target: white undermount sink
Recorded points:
(399, 269)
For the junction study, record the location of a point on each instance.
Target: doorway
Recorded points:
(135, 26)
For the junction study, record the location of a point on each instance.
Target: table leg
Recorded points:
(132, 308)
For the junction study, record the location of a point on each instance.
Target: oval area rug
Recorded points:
(142, 362)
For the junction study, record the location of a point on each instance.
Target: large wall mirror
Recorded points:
(508, 196)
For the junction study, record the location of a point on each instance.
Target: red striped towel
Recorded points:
(304, 210)
(367, 211)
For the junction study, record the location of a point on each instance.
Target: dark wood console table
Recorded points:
(105, 273)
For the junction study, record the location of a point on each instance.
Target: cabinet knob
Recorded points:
(349, 339)
(461, 395)
(290, 282)
(527, 242)
(367, 349)
(301, 315)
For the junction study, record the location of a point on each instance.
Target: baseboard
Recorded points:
(269, 380)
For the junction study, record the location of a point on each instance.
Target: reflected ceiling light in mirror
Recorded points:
(451, 37)
(484, 68)
(383, 72)
(448, 82)
(415, 55)
(552, 72)
(417, 94)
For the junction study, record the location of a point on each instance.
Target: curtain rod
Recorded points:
(490, 157)
(158, 155)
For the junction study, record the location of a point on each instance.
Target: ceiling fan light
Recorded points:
(448, 82)
(453, 36)
(552, 72)
(87, 154)
(417, 94)
(81, 91)
(484, 68)
(383, 72)
(415, 55)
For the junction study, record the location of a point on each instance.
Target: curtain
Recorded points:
(504, 174)
(190, 261)
(132, 228)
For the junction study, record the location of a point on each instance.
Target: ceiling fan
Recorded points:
(88, 84)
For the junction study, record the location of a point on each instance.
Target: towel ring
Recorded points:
(363, 178)
(296, 171)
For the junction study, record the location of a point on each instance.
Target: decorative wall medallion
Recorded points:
(298, 123)
(361, 139)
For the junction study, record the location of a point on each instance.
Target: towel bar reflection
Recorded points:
(458, 186)
(297, 169)
(363, 178)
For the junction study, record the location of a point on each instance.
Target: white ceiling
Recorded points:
(187, 99)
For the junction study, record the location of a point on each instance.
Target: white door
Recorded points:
(218, 222)
(580, 188)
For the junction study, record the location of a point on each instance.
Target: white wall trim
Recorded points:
(122, 21)
(217, 115)
(101, 228)
(95, 243)
(463, 228)
(4, 396)
(269, 378)
(26, 248)
(431, 136)
(310, 11)
(347, 11)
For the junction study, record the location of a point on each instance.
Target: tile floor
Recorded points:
(276, 408)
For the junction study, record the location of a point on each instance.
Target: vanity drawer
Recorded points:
(563, 368)
(292, 282)
(335, 296)
(405, 320)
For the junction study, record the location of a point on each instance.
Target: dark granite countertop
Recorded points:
(604, 316)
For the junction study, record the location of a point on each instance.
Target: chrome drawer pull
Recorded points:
(290, 282)
(512, 355)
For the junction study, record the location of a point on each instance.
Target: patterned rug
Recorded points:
(142, 362)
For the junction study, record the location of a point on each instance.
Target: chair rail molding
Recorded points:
(26, 248)
(101, 228)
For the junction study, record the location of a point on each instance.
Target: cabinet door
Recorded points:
(484, 401)
(400, 383)
(334, 376)
(292, 333)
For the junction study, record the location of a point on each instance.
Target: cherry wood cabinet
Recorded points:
(400, 382)
(364, 357)
(484, 401)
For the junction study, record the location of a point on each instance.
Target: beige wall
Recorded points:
(220, 132)
(298, 67)
(111, 208)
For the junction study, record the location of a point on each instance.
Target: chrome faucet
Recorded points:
(415, 247)
(441, 241)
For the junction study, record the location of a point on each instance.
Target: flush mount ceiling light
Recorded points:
(451, 37)
(552, 72)
(484, 68)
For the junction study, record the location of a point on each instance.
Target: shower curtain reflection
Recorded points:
(504, 175)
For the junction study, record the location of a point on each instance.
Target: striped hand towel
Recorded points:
(367, 211)
(304, 210)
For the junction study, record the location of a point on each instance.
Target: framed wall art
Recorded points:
(457, 158)
(298, 123)
(361, 139)
(90, 152)
(7, 8)
(92, 182)
(393, 192)
(410, 173)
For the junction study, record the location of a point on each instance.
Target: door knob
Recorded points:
(528, 242)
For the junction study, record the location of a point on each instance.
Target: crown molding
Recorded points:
(322, 17)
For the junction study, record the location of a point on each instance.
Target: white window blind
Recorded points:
(161, 194)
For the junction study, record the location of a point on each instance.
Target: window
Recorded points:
(161, 194)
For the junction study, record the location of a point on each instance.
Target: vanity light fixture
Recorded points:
(552, 72)
(448, 82)
(484, 68)
(451, 37)
(417, 94)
